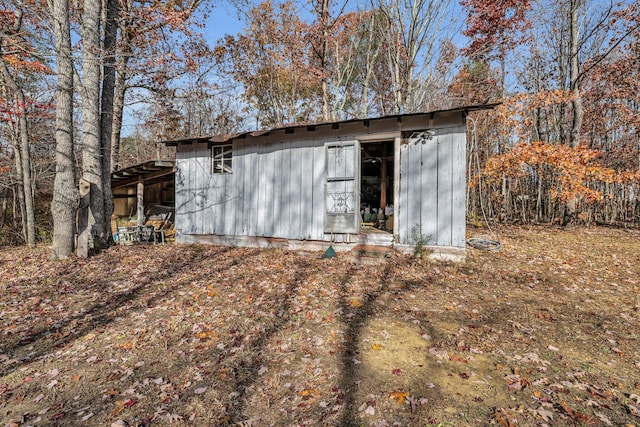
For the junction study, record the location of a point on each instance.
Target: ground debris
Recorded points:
(541, 332)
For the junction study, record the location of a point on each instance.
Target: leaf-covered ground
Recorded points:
(544, 332)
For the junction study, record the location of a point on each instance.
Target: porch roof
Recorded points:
(151, 172)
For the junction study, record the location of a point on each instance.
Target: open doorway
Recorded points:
(376, 185)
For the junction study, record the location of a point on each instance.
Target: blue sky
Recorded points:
(223, 19)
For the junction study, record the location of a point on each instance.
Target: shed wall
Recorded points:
(276, 190)
(277, 187)
(432, 189)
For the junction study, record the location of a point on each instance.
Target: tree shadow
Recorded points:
(246, 371)
(355, 318)
(41, 342)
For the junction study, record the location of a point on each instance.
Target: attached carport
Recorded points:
(141, 189)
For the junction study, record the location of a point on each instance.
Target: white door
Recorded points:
(342, 195)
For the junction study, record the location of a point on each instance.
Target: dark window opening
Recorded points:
(221, 159)
(376, 185)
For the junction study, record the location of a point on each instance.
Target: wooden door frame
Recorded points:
(394, 136)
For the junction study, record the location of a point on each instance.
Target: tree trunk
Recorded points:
(91, 150)
(324, 22)
(118, 103)
(21, 148)
(574, 76)
(27, 181)
(65, 193)
(23, 159)
(107, 101)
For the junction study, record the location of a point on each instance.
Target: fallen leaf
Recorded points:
(308, 392)
(502, 417)
(130, 402)
(602, 417)
(545, 414)
(355, 303)
(398, 396)
(617, 351)
(86, 417)
(455, 358)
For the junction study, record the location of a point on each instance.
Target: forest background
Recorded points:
(562, 147)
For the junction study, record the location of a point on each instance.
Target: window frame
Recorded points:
(222, 162)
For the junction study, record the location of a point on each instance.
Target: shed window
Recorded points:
(221, 156)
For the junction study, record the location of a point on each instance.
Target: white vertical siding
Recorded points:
(250, 191)
(429, 189)
(306, 191)
(237, 206)
(277, 186)
(269, 175)
(432, 188)
(400, 223)
(278, 195)
(295, 188)
(459, 187)
(444, 171)
(317, 191)
(182, 218)
(285, 202)
(272, 191)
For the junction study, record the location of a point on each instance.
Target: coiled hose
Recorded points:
(484, 244)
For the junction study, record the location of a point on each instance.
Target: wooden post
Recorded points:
(82, 248)
(140, 199)
(383, 179)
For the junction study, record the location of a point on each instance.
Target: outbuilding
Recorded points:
(395, 181)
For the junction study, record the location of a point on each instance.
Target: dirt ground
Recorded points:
(544, 332)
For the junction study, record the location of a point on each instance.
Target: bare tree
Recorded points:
(20, 134)
(413, 31)
(91, 148)
(106, 106)
(65, 193)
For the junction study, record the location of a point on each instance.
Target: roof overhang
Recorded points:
(222, 139)
(150, 172)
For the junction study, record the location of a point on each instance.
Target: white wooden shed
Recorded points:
(388, 181)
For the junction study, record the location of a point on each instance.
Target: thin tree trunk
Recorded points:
(65, 192)
(14, 141)
(324, 21)
(23, 156)
(27, 181)
(91, 150)
(574, 77)
(118, 103)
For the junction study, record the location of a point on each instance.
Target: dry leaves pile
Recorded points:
(545, 332)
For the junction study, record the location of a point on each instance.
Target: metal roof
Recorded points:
(220, 139)
(151, 171)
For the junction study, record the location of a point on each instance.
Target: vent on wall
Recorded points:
(420, 136)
